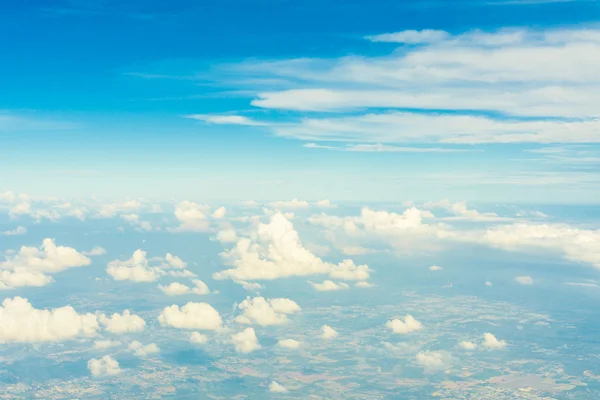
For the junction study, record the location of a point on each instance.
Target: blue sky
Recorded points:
(240, 100)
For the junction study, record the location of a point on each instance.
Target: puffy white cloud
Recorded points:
(460, 211)
(434, 360)
(325, 203)
(192, 217)
(466, 345)
(328, 332)
(198, 338)
(491, 342)
(135, 269)
(524, 280)
(488, 284)
(200, 316)
(175, 262)
(277, 252)
(106, 344)
(96, 251)
(122, 323)
(289, 204)
(22, 277)
(328, 286)
(14, 232)
(21, 322)
(141, 350)
(227, 235)
(410, 324)
(266, 311)
(245, 341)
(200, 287)
(250, 286)
(112, 209)
(219, 213)
(104, 366)
(174, 289)
(289, 343)
(435, 268)
(275, 387)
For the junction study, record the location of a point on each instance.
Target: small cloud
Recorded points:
(275, 387)
(524, 280)
(488, 284)
(225, 119)
(245, 341)
(435, 268)
(491, 342)
(410, 324)
(289, 343)
(466, 345)
(104, 366)
(328, 332)
(328, 286)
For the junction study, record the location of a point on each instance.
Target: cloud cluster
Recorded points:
(21, 322)
(201, 316)
(138, 268)
(31, 266)
(275, 251)
(265, 312)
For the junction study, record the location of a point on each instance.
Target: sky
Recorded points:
(350, 101)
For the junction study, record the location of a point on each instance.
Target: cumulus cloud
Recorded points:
(410, 324)
(198, 338)
(112, 209)
(411, 37)
(122, 323)
(289, 343)
(435, 268)
(177, 289)
(104, 366)
(30, 265)
(328, 286)
(175, 262)
(328, 332)
(245, 341)
(21, 322)
(325, 203)
(491, 342)
(266, 312)
(275, 251)
(192, 217)
(434, 360)
(142, 350)
(219, 213)
(524, 280)
(466, 345)
(227, 235)
(275, 387)
(488, 284)
(289, 204)
(364, 285)
(201, 316)
(134, 269)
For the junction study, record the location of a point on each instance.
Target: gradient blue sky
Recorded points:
(95, 99)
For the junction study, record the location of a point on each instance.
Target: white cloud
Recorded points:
(328, 332)
(524, 280)
(289, 344)
(104, 366)
(364, 285)
(30, 265)
(411, 37)
(488, 284)
(227, 235)
(111, 210)
(200, 287)
(266, 312)
(106, 344)
(224, 119)
(21, 322)
(192, 217)
(491, 342)
(175, 262)
(200, 316)
(135, 269)
(141, 350)
(174, 289)
(122, 323)
(219, 213)
(14, 232)
(460, 211)
(184, 273)
(466, 345)
(434, 360)
(328, 286)
(275, 387)
(276, 252)
(198, 338)
(356, 251)
(289, 204)
(325, 203)
(96, 251)
(245, 341)
(410, 324)
(435, 268)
